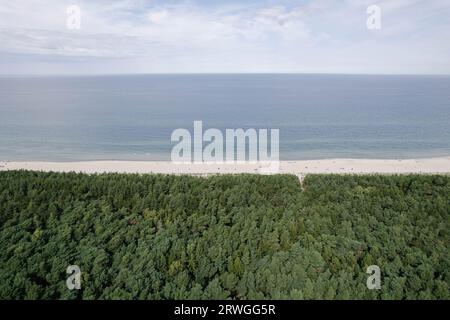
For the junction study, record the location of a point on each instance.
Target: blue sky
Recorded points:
(204, 36)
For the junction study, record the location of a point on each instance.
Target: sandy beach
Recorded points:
(301, 167)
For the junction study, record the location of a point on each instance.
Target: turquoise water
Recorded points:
(132, 117)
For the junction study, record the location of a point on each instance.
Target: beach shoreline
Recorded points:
(439, 165)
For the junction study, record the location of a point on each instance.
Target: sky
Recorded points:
(208, 36)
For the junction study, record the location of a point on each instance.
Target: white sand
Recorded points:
(300, 168)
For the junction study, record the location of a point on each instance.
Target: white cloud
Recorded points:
(296, 36)
(157, 16)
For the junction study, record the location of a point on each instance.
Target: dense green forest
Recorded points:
(223, 237)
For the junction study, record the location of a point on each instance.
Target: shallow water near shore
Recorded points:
(132, 117)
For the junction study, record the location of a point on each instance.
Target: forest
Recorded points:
(223, 237)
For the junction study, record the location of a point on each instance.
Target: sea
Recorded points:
(132, 117)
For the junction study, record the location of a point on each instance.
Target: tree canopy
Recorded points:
(223, 237)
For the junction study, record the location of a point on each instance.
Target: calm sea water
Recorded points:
(132, 117)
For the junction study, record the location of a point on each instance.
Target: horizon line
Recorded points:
(221, 73)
